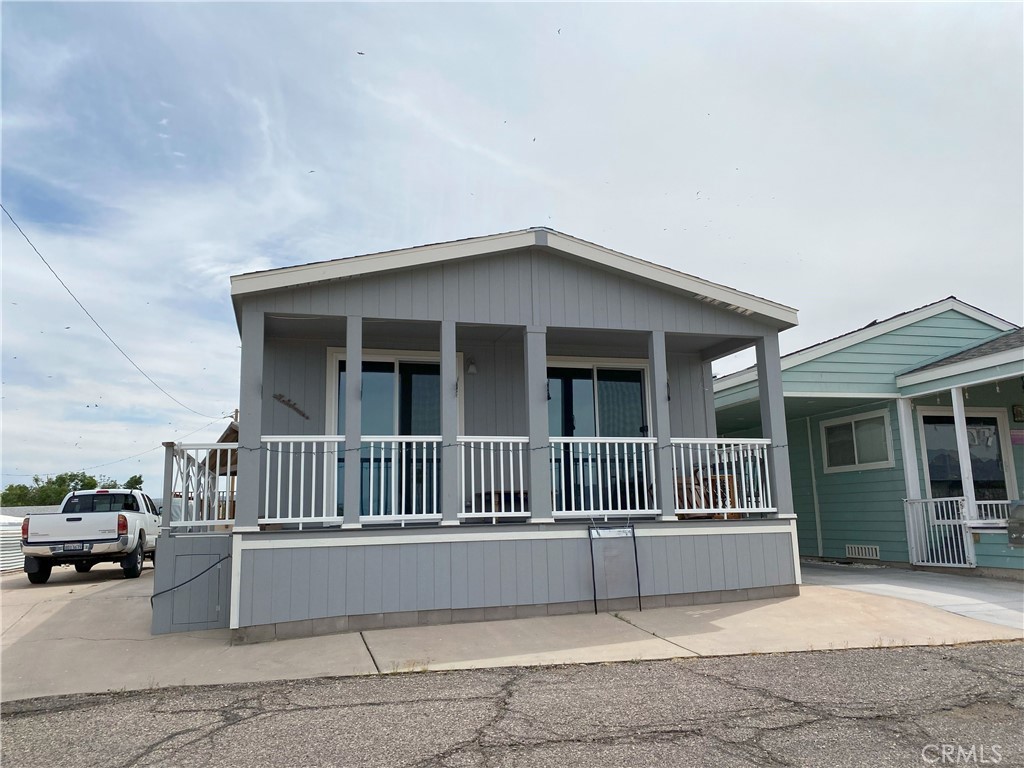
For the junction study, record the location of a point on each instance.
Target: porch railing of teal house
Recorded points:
(938, 532)
(590, 477)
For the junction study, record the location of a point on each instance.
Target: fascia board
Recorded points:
(304, 274)
(695, 286)
(965, 366)
(866, 334)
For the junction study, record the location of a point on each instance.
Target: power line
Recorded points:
(110, 463)
(94, 321)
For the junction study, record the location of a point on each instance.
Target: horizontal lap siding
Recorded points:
(871, 366)
(992, 550)
(305, 583)
(866, 506)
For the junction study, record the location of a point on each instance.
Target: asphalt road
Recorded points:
(876, 707)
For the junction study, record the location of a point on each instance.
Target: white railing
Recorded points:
(493, 477)
(203, 485)
(301, 476)
(400, 478)
(992, 512)
(938, 532)
(721, 477)
(602, 477)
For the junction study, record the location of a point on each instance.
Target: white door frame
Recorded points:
(1003, 426)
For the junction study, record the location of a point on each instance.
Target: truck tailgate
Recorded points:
(73, 526)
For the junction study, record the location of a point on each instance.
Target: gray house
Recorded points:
(514, 425)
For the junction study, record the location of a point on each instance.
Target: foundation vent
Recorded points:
(865, 551)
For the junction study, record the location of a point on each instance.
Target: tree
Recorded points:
(52, 490)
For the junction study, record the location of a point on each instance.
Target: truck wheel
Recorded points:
(41, 574)
(132, 565)
(83, 567)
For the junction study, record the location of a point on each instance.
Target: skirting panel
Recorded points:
(281, 585)
(192, 584)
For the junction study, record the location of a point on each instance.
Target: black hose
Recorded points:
(178, 586)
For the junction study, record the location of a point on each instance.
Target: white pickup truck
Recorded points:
(100, 526)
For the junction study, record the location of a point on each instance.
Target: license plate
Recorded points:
(74, 546)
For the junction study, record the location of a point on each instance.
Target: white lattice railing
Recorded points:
(714, 476)
(992, 512)
(301, 476)
(400, 478)
(493, 477)
(602, 477)
(203, 485)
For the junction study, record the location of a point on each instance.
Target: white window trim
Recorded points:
(888, 464)
(336, 354)
(622, 363)
(1002, 424)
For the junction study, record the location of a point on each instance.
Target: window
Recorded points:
(857, 442)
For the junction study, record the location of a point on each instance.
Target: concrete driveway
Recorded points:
(89, 633)
(993, 600)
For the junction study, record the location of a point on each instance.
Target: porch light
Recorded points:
(471, 367)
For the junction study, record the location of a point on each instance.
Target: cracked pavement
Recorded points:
(865, 707)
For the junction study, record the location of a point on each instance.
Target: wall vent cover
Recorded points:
(866, 551)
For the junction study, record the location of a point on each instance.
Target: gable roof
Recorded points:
(870, 331)
(723, 297)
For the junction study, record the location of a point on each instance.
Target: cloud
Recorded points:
(854, 161)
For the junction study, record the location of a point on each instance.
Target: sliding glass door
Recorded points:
(604, 404)
(398, 399)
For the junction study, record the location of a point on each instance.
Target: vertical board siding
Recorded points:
(199, 604)
(527, 287)
(299, 583)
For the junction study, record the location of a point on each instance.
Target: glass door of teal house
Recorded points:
(398, 399)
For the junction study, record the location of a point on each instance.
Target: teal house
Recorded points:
(906, 438)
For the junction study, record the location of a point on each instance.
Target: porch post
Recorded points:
(664, 491)
(168, 492)
(353, 420)
(451, 380)
(250, 424)
(707, 380)
(963, 450)
(773, 420)
(536, 353)
(908, 447)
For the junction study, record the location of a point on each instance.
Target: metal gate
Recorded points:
(938, 532)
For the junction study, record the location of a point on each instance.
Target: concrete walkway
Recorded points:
(84, 633)
(993, 600)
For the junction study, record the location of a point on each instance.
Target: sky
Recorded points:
(851, 160)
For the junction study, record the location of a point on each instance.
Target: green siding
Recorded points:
(862, 507)
(803, 493)
(992, 551)
(871, 366)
